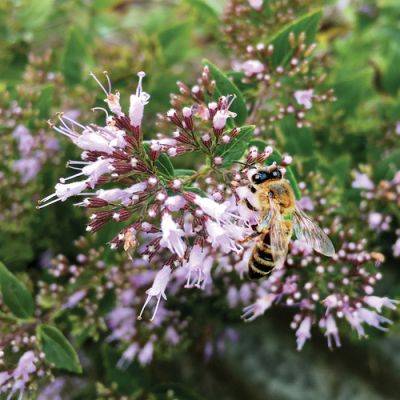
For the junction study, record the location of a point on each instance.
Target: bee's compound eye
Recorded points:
(259, 177)
(276, 174)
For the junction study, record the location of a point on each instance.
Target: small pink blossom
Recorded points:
(375, 219)
(252, 67)
(175, 203)
(75, 299)
(362, 181)
(112, 101)
(397, 130)
(306, 203)
(304, 97)
(28, 168)
(396, 248)
(26, 142)
(256, 4)
(212, 208)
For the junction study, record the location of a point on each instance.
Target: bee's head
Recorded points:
(263, 175)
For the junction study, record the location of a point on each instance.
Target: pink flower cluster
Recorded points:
(34, 152)
(16, 381)
(379, 204)
(166, 218)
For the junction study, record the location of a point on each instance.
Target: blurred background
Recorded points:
(48, 47)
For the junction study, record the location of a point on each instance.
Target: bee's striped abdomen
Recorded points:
(261, 262)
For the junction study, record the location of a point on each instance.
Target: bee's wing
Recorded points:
(309, 232)
(278, 236)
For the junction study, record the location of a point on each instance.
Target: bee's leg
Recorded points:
(250, 237)
(250, 206)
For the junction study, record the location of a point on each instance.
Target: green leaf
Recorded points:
(388, 166)
(299, 141)
(204, 8)
(163, 162)
(276, 156)
(45, 101)
(391, 76)
(234, 150)
(225, 87)
(58, 349)
(352, 87)
(283, 52)
(34, 13)
(73, 57)
(184, 172)
(195, 190)
(15, 295)
(175, 42)
(164, 165)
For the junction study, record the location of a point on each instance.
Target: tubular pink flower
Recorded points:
(93, 141)
(4, 377)
(146, 354)
(332, 331)
(396, 248)
(211, 208)
(137, 103)
(172, 236)
(355, 322)
(157, 289)
(26, 366)
(373, 319)
(219, 237)
(127, 356)
(253, 311)
(303, 333)
(64, 191)
(379, 302)
(222, 115)
(93, 171)
(195, 266)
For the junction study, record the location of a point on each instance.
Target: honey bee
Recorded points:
(280, 217)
